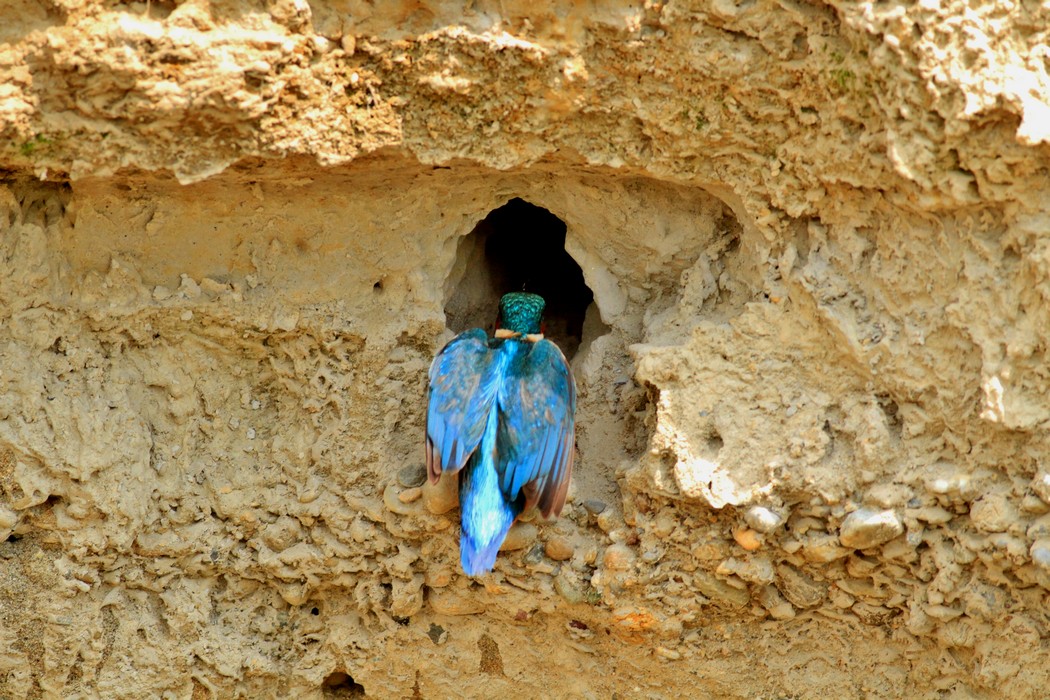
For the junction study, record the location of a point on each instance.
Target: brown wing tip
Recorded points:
(433, 468)
(553, 500)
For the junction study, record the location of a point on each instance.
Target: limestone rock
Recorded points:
(823, 548)
(521, 535)
(868, 527)
(763, 519)
(558, 548)
(993, 513)
(443, 496)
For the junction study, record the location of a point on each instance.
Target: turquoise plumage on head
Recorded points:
(521, 312)
(501, 412)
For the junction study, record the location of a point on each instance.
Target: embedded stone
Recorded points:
(1040, 553)
(993, 513)
(821, 549)
(799, 588)
(769, 598)
(594, 506)
(406, 597)
(412, 476)
(867, 527)
(443, 496)
(1039, 528)
(721, 591)
(747, 538)
(1041, 484)
(569, 589)
(763, 519)
(521, 535)
(753, 570)
(934, 515)
(558, 548)
(618, 557)
(1034, 504)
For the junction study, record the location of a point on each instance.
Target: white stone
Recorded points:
(1040, 553)
(868, 527)
(763, 519)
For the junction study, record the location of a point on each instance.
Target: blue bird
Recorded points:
(501, 412)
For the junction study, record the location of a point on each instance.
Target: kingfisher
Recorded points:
(501, 412)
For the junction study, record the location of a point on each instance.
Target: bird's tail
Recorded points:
(486, 515)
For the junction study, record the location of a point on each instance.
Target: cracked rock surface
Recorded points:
(811, 357)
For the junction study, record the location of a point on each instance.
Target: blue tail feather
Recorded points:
(485, 513)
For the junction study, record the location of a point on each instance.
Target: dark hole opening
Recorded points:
(714, 441)
(518, 246)
(339, 684)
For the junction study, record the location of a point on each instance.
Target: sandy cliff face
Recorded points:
(799, 254)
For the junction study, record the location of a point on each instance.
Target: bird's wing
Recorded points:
(463, 383)
(535, 438)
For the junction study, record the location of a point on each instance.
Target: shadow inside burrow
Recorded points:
(519, 247)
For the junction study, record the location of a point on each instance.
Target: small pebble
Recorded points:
(770, 598)
(534, 556)
(568, 589)
(935, 515)
(763, 519)
(441, 497)
(747, 538)
(1033, 504)
(437, 634)
(1040, 553)
(213, 287)
(594, 506)
(618, 557)
(521, 535)
(410, 495)
(1041, 485)
(719, 590)
(189, 287)
(558, 548)
(1039, 528)
(799, 588)
(868, 527)
(411, 476)
(590, 556)
(669, 654)
(822, 549)
(993, 513)
(438, 578)
(754, 570)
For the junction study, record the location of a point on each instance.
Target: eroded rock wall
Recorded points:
(812, 453)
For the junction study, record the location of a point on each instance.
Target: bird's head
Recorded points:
(521, 312)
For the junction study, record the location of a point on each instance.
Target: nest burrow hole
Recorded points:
(519, 247)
